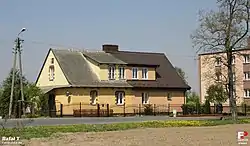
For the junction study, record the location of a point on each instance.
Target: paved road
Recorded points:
(92, 120)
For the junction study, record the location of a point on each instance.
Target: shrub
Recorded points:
(189, 108)
(206, 107)
(148, 109)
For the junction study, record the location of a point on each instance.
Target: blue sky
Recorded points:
(142, 25)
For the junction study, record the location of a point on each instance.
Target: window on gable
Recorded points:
(121, 73)
(247, 75)
(120, 95)
(135, 73)
(51, 73)
(145, 98)
(93, 95)
(246, 58)
(52, 60)
(218, 61)
(144, 73)
(111, 72)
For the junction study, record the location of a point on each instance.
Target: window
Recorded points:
(169, 97)
(111, 72)
(234, 77)
(120, 97)
(145, 98)
(52, 60)
(93, 95)
(218, 61)
(233, 60)
(246, 58)
(246, 75)
(121, 73)
(144, 73)
(135, 73)
(247, 93)
(51, 73)
(218, 76)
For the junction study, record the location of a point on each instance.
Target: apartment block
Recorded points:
(213, 69)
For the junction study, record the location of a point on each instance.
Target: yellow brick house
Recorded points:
(110, 76)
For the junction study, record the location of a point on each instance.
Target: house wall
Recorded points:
(207, 70)
(107, 96)
(59, 79)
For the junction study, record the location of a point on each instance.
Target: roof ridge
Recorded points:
(142, 52)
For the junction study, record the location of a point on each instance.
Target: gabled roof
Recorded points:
(167, 77)
(102, 57)
(79, 73)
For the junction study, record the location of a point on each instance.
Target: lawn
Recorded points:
(47, 131)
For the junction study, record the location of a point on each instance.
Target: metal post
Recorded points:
(21, 72)
(13, 81)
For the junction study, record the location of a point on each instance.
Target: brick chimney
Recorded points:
(110, 48)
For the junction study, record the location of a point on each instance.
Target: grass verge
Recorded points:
(47, 131)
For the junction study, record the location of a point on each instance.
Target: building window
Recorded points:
(93, 95)
(120, 97)
(234, 77)
(218, 76)
(246, 58)
(218, 61)
(135, 73)
(144, 73)
(112, 72)
(169, 97)
(247, 93)
(246, 75)
(121, 73)
(51, 73)
(52, 60)
(233, 60)
(145, 98)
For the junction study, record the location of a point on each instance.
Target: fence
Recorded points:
(107, 110)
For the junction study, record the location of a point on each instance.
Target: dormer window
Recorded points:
(111, 72)
(144, 73)
(51, 73)
(121, 73)
(135, 73)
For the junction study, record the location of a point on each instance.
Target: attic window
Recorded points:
(52, 60)
(51, 73)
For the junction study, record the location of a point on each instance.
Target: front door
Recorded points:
(52, 105)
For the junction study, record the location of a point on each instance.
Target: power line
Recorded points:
(75, 47)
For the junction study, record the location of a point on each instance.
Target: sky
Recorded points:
(141, 25)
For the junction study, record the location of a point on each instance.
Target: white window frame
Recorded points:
(121, 72)
(51, 73)
(218, 61)
(120, 95)
(247, 93)
(144, 73)
(233, 59)
(246, 75)
(246, 58)
(93, 97)
(111, 72)
(134, 75)
(145, 98)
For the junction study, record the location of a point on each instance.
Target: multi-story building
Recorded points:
(213, 69)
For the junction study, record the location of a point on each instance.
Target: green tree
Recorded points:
(181, 73)
(6, 90)
(192, 97)
(31, 94)
(224, 29)
(216, 94)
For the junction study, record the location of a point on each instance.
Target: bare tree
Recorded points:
(224, 30)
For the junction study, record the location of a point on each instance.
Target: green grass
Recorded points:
(47, 131)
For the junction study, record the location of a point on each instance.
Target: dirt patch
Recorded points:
(182, 136)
